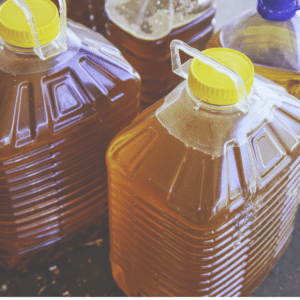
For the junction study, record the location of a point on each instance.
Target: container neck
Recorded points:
(277, 10)
(22, 61)
(18, 49)
(211, 107)
(49, 50)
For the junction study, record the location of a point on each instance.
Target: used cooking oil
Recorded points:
(65, 91)
(87, 12)
(143, 30)
(204, 185)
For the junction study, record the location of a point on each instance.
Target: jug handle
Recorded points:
(62, 36)
(183, 69)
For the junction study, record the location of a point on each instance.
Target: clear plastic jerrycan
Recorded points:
(204, 185)
(65, 92)
(270, 37)
(87, 12)
(143, 30)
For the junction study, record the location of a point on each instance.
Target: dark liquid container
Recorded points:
(151, 57)
(57, 119)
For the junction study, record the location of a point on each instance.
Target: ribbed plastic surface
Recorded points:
(55, 128)
(185, 223)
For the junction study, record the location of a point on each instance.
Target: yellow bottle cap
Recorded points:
(211, 86)
(15, 30)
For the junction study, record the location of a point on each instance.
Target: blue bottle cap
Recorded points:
(277, 10)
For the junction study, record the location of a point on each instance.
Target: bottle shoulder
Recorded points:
(90, 81)
(206, 185)
(267, 43)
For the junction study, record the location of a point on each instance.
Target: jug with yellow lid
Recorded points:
(65, 91)
(204, 185)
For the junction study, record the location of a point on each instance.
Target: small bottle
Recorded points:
(143, 30)
(65, 91)
(270, 37)
(204, 184)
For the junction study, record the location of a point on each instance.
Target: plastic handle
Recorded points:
(63, 22)
(183, 69)
(62, 37)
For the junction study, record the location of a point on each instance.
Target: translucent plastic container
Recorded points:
(270, 37)
(204, 185)
(143, 30)
(60, 105)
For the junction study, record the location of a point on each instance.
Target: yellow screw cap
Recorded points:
(211, 86)
(15, 30)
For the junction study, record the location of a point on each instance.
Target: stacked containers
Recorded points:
(270, 37)
(143, 30)
(61, 104)
(204, 185)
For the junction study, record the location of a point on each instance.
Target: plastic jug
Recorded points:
(270, 37)
(204, 185)
(143, 30)
(63, 96)
(87, 12)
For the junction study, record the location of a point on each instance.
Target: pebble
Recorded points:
(96, 242)
(3, 288)
(56, 272)
(42, 289)
(52, 268)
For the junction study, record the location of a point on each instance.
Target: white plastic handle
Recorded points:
(183, 69)
(63, 22)
(61, 40)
